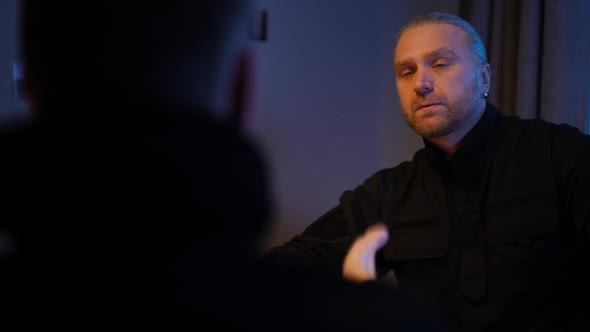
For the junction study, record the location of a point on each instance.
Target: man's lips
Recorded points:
(421, 106)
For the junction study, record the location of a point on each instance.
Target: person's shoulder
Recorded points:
(19, 142)
(539, 131)
(537, 125)
(18, 130)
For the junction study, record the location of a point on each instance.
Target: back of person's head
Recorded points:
(179, 52)
(146, 64)
(472, 37)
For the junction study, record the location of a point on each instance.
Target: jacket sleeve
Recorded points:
(571, 154)
(324, 244)
(572, 163)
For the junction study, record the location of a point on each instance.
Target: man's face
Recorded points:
(439, 79)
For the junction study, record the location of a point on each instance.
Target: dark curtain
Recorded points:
(540, 56)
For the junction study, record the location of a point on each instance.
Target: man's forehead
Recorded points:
(424, 40)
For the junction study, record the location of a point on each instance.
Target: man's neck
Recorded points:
(452, 142)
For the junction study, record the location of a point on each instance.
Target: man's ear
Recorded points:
(486, 78)
(242, 89)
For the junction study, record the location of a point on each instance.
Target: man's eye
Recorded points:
(440, 65)
(405, 73)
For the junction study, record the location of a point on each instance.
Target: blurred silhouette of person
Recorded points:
(133, 199)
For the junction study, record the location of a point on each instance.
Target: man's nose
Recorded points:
(424, 82)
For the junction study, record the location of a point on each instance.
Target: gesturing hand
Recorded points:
(359, 263)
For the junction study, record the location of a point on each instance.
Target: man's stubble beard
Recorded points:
(456, 116)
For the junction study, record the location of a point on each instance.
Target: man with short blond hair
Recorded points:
(491, 220)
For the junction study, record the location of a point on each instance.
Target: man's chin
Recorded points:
(432, 131)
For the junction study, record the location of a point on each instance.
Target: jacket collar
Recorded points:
(473, 143)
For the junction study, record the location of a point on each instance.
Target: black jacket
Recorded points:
(497, 234)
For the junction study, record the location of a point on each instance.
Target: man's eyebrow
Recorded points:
(441, 52)
(403, 63)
